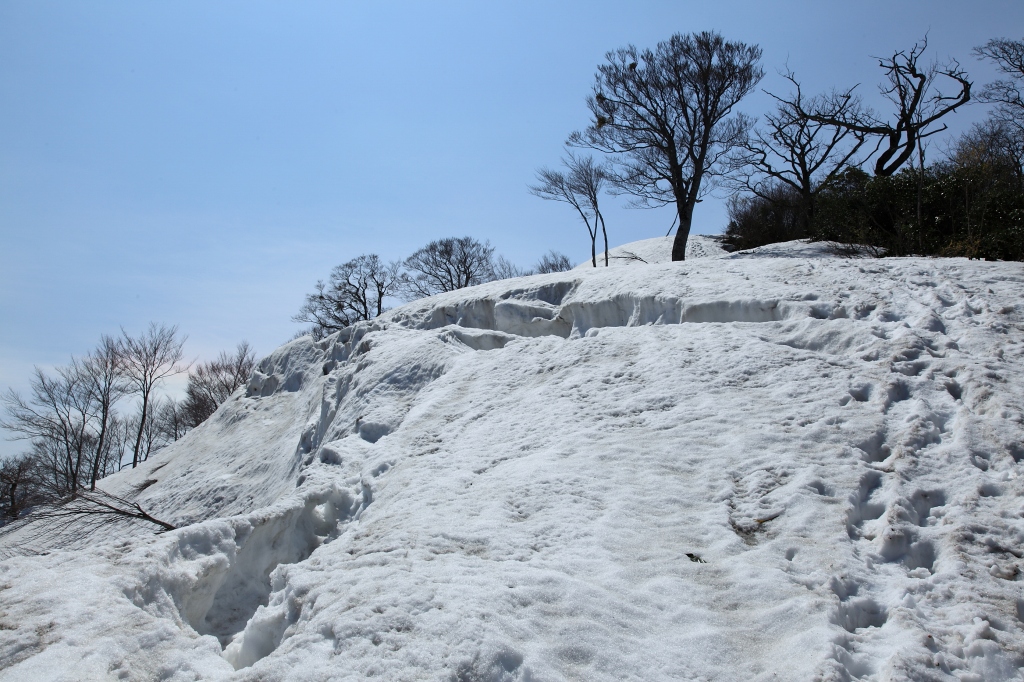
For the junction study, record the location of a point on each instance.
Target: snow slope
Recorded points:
(659, 250)
(769, 465)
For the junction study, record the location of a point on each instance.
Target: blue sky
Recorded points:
(204, 163)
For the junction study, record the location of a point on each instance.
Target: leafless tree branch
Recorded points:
(909, 88)
(666, 116)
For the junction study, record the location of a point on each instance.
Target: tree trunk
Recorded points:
(99, 448)
(685, 209)
(808, 211)
(77, 474)
(686, 194)
(69, 476)
(920, 193)
(605, 233)
(13, 491)
(142, 426)
(592, 233)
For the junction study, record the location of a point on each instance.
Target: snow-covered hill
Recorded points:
(770, 465)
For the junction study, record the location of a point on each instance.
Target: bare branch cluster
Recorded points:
(356, 290)
(552, 261)
(913, 90)
(447, 265)
(209, 385)
(503, 268)
(1006, 94)
(667, 118)
(76, 435)
(147, 359)
(70, 519)
(801, 154)
(992, 145)
(580, 185)
(64, 419)
(359, 289)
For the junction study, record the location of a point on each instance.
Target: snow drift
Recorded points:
(765, 465)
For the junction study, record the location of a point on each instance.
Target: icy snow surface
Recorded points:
(768, 465)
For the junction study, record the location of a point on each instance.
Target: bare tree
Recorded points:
(503, 268)
(790, 149)
(148, 359)
(909, 88)
(122, 440)
(552, 261)
(211, 383)
(172, 423)
(355, 291)
(579, 185)
(95, 508)
(152, 435)
(56, 419)
(1008, 55)
(102, 371)
(667, 116)
(447, 265)
(326, 309)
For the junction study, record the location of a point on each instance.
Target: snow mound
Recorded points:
(800, 248)
(657, 250)
(765, 465)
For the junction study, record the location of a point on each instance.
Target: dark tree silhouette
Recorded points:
(667, 116)
(911, 89)
(789, 149)
(148, 359)
(213, 382)
(19, 486)
(355, 291)
(447, 265)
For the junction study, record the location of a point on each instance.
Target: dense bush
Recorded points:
(758, 220)
(944, 210)
(971, 204)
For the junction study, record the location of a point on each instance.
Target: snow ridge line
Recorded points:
(554, 310)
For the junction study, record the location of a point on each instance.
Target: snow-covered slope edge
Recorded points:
(732, 468)
(657, 250)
